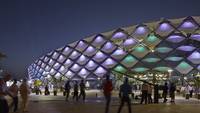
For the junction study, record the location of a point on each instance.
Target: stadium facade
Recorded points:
(160, 50)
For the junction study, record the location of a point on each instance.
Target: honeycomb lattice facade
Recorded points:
(158, 47)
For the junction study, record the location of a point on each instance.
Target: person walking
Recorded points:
(172, 92)
(14, 91)
(187, 91)
(125, 90)
(4, 108)
(46, 91)
(82, 90)
(156, 93)
(149, 93)
(144, 93)
(165, 92)
(67, 89)
(75, 91)
(24, 91)
(191, 91)
(107, 91)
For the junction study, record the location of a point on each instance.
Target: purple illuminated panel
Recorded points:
(188, 25)
(141, 30)
(61, 59)
(40, 62)
(69, 74)
(108, 47)
(90, 51)
(129, 43)
(186, 48)
(175, 38)
(55, 55)
(41, 70)
(99, 56)
(83, 73)
(195, 37)
(118, 54)
(119, 36)
(100, 72)
(63, 70)
(56, 65)
(91, 65)
(75, 67)
(81, 46)
(194, 57)
(109, 63)
(198, 67)
(52, 71)
(43, 65)
(46, 59)
(58, 75)
(47, 68)
(66, 51)
(74, 55)
(51, 62)
(68, 63)
(98, 41)
(164, 27)
(82, 60)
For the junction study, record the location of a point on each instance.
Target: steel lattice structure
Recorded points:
(159, 46)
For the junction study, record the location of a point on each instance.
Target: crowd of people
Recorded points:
(148, 90)
(77, 90)
(76, 94)
(12, 91)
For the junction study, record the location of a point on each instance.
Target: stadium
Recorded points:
(159, 51)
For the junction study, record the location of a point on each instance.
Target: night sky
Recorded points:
(32, 28)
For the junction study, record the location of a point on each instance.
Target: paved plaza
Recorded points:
(93, 104)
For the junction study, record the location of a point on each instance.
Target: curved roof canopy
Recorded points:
(160, 46)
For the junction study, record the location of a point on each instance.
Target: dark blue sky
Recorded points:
(31, 28)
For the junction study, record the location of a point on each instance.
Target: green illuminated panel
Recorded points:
(152, 39)
(163, 49)
(129, 61)
(183, 65)
(151, 60)
(140, 51)
(120, 69)
(162, 69)
(174, 58)
(140, 69)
